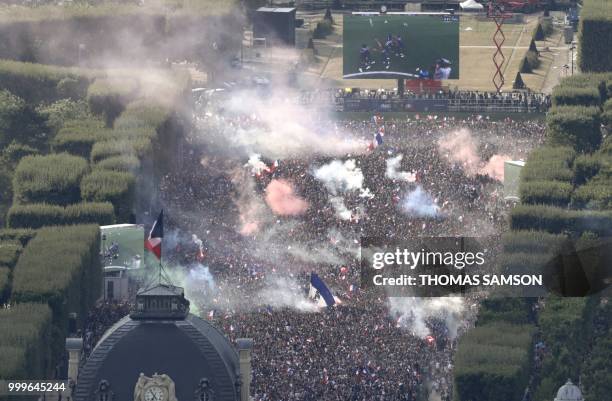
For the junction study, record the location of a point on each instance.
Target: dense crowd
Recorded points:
(458, 100)
(357, 350)
(254, 283)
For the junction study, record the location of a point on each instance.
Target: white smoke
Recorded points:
(283, 292)
(200, 275)
(393, 170)
(339, 177)
(419, 203)
(277, 127)
(342, 211)
(255, 164)
(275, 245)
(412, 313)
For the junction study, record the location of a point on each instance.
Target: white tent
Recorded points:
(471, 5)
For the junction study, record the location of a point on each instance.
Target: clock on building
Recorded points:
(155, 388)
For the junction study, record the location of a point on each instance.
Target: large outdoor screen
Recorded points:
(401, 46)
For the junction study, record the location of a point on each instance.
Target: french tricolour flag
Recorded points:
(154, 242)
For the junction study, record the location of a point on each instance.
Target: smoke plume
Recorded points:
(461, 148)
(277, 128)
(419, 203)
(282, 292)
(281, 198)
(412, 313)
(393, 170)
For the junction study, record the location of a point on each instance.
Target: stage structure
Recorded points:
(276, 25)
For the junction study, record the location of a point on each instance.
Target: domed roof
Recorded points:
(569, 392)
(186, 349)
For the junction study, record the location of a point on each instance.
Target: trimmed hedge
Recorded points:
(53, 179)
(509, 310)
(595, 36)
(61, 266)
(593, 195)
(15, 151)
(596, 383)
(531, 241)
(25, 341)
(11, 109)
(111, 186)
(575, 126)
(558, 220)
(323, 29)
(563, 95)
(5, 284)
(9, 253)
(587, 167)
(41, 214)
(23, 236)
(64, 111)
(119, 163)
(563, 323)
(549, 163)
(492, 362)
(38, 83)
(138, 147)
(141, 114)
(556, 193)
(78, 137)
(107, 97)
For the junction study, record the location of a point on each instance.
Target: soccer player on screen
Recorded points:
(365, 58)
(399, 46)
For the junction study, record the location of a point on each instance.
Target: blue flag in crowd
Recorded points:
(320, 286)
(379, 139)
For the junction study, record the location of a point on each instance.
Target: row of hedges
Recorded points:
(492, 362)
(597, 192)
(558, 220)
(21, 236)
(595, 373)
(111, 186)
(5, 284)
(60, 266)
(108, 97)
(509, 310)
(37, 83)
(19, 121)
(25, 342)
(565, 330)
(568, 96)
(53, 179)
(531, 60)
(9, 253)
(38, 215)
(556, 193)
(531, 241)
(595, 36)
(575, 126)
(549, 163)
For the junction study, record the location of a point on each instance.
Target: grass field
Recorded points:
(426, 38)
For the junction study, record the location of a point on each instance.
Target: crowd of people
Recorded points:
(458, 100)
(357, 350)
(247, 269)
